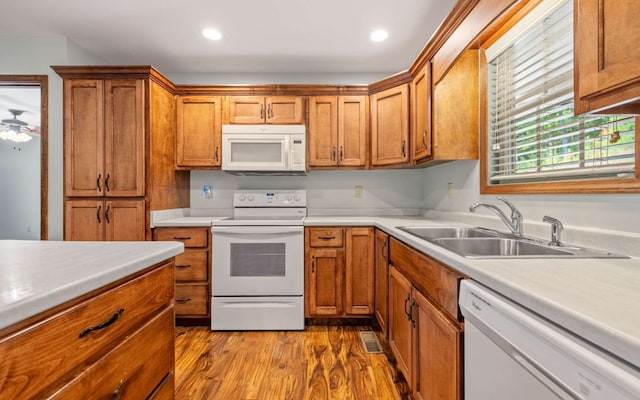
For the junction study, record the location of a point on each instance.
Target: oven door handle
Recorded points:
(248, 230)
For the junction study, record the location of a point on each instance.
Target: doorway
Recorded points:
(24, 157)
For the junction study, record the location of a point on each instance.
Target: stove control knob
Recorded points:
(288, 197)
(250, 197)
(296, 197)
(242, 197)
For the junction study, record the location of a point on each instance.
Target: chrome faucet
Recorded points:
(514, 223)
(556, 229)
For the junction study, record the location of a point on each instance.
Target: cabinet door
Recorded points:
(246, 110)
(421, 112)
(325, 272)
(352, 130)
(400, 330)
(83, 137)
(323, 131)
(198, 131)
(456, 103)
(359, 271)
(124, 137)
(437, 370)
(382, 280)
(124, 220)
(390, 126)
(284, 110)
(83, 220)
(606, 52)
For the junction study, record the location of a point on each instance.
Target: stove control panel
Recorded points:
(270, 198)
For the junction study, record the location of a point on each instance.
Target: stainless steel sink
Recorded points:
(477, 242)
(429, 233)
(500, 247)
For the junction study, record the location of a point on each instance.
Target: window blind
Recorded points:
(533, 133)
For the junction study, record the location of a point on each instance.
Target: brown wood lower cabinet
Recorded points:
(115, 342)
(193, 271)
(381, 261)
(425, 334)
(98, 220)
(339, 277)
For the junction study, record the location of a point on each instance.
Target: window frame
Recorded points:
(586, 186)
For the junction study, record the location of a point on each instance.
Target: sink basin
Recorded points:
(429, 233)
(477, 242)
(501, 247)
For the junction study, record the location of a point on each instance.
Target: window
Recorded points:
(533, 134)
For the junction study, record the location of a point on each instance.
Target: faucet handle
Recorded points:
(556, 229)
(515, 213)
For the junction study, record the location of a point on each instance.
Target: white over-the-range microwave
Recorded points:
(248, 149)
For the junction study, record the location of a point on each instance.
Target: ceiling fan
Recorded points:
(14, 129)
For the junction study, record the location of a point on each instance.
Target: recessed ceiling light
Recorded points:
(378, 35)
(212, 34)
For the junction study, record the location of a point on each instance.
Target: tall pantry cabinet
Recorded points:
(119, 152)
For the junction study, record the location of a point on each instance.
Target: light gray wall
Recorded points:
(618, 212)
(384, 192)
(34, 56)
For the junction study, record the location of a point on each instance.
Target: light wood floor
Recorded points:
(322, 362)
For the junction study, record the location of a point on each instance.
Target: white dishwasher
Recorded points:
(511, 353)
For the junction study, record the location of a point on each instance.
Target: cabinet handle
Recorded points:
(183, 300)
(103, 325)
(341, 154)
(406, 302)
(326, 237)
(181, 238)
(413, 321)
(261, 111)
(217, 154)
(270, 112)
(106, 214)
(184, 266)
(98, 212)
(106, 183)
(116, 393)
(424, 138)
(98, 183)
(384, 251)
(313, 265)
(333, 154)
(404, 144)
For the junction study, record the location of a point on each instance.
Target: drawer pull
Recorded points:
(326, 237)
(116, 393)
(182, 301)
(182, 238)
(184, 266)
(103, 325)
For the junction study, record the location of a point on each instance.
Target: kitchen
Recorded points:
(448, 187)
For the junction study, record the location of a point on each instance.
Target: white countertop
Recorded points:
(38, 275)
(596, 299)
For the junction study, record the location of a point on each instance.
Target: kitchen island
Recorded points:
(86, 317)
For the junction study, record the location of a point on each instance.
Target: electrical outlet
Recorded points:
(207, 191)
(358, 192)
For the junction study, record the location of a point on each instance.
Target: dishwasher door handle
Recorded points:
(552, 383)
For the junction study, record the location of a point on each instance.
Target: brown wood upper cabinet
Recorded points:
(421, 114)
(607, 56)
(265, 110)
(198, 131)
(456, 101)
(390, 126)
(339, 278)
(104, 137)
(338, 131)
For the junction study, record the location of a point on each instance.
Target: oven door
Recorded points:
(257, 261)
(245, 152)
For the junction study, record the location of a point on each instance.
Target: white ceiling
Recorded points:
(269, 36)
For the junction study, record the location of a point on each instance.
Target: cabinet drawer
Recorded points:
(192, 265)
(192, 299)
(191, 237)
(325, 237)
(435, 280)
(43, 354)
(126, 371)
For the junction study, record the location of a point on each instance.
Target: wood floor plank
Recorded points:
(320, 363)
